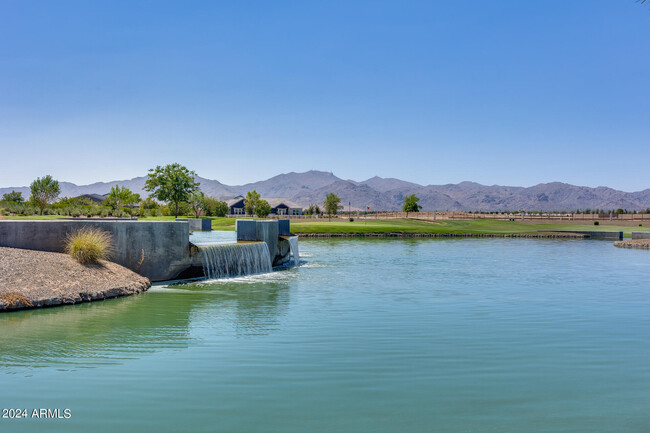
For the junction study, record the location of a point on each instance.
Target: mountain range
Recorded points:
(388, 193)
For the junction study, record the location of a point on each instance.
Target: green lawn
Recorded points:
(227, 224)
(405, 226)
(217, 223)
(469, 226)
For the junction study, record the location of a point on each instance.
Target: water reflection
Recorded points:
(166, 318)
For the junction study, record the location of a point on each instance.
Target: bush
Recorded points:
(351, 220)
(89, 245)
(596, 223)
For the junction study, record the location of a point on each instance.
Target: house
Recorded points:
(236, 205)
(279, 206)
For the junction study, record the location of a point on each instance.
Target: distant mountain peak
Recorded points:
(382, 193)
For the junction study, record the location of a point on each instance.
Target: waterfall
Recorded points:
(233, 260)
(295, 252)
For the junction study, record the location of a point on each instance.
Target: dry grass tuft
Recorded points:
(89, 245)
(15, 300)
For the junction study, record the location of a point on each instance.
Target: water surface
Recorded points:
(417, 335)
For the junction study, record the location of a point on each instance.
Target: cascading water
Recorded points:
(295, 252)
(234, 260)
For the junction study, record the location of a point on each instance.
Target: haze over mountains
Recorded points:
(388, 193)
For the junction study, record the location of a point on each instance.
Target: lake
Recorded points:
(413, 335)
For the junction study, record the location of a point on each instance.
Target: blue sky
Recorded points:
(497, 92)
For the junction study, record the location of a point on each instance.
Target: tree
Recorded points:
(312, 210)
(44, 190)
(214, 207)
(251, 202)
(411, 204)
(332, 204)
(263, 208)
(149, 203)
(121, 196)
(13, 196)
(197, 201)
(173, 183)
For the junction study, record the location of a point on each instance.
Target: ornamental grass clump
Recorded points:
(89, 245)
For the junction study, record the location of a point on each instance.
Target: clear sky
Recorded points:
(498, 92)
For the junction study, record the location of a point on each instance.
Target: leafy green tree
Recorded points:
(44, 191)
(332, 204)
(173, 183)
(121, 196)
(411, 204)
(263, 208)
(13, 196)
(197, 201)
(251, 202)
(312, 210)
(214, 207)
(149, 203)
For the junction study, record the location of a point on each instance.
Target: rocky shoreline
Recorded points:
(639, 244)
(548, 235)
(34, 279)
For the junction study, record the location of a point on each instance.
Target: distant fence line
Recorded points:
(450, 216)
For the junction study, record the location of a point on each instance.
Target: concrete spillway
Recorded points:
(295, 252)
(234, 260)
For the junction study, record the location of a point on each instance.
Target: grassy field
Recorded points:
(469, 226)
(217, 223)
(407, 226)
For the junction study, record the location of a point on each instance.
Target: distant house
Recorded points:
(236, 205)
(279, 206)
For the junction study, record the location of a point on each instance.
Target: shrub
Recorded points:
(89, 245)
(351, 220)
(596, 223)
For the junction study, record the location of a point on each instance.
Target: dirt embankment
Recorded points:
(32, 279)
(641, 244)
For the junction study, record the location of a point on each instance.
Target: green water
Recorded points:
(494, 335)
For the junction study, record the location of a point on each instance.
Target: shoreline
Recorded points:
(636, 244)
(37, 279)
(446, 235)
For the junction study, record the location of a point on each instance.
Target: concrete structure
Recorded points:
(640, 235)
(591, 234)
(269, 232)
(284, 227)
(158, 250)
(198, 224)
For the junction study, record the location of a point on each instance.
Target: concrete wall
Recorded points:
(267, 231)
(640, 235)
(591, 234)
(602, 235)
(284, 227)
(158, 250)
(198, 224)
